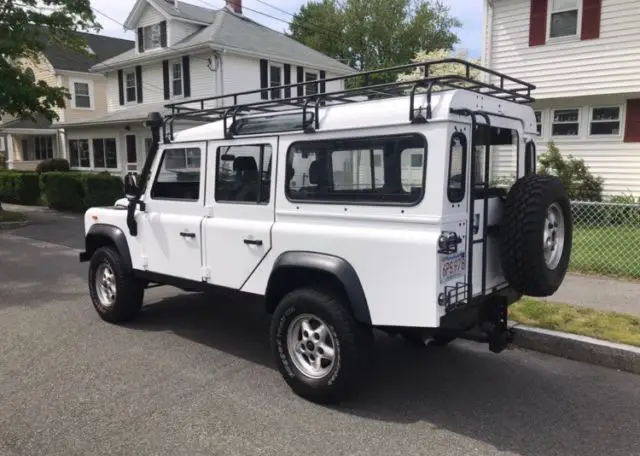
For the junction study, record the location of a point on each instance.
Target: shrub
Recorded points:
(102, 189)
(63, 190)
(19, 188)
(574, 174)
(77, 191)
(52, 165)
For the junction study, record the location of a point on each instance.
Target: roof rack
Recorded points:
(232, 107)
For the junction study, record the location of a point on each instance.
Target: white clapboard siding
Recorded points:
(565, 68)
(150, 16)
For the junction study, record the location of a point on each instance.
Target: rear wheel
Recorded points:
(116, 295)
(536, 235)
(320, 349)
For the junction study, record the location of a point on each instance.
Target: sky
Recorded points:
(469, 12)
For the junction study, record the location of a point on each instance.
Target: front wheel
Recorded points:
(116, 295)
(319, 348)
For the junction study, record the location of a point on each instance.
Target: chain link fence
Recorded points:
(606, 239)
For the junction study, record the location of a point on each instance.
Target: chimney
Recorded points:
(235, 6)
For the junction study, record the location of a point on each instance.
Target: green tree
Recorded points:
(374, 34)
(25, 31)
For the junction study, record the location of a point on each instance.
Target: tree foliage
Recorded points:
(580, 183)
(439, 69)
(374, 34)
(26, 28)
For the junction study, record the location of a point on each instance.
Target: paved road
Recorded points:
(194, 376)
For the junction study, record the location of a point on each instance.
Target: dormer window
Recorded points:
(152, 36)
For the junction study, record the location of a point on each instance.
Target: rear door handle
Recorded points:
(189, 235)
(253, 241)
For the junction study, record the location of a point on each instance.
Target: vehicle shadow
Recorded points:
(528, 404)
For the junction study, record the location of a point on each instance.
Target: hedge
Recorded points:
(52, 165)
(19, 187)
(76, 191)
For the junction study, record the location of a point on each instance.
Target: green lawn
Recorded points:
(7, 216)
(610, 326)
(611, 251)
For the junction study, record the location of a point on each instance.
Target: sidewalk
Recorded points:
(599, 293)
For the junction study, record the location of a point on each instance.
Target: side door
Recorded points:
(453, 255)
(170, 228)
(241, 194)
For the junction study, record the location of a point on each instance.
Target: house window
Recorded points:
(311, 89)
(105, 154)
(152, 36)
(539, 122)
(275, 80)
(130, 85)
(79, 153)
(416, 161)
(566, 122)
(605, 121)
(563, 19)
(176, 78)
(82, 95)
(43, 148)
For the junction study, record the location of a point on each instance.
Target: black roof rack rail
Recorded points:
(230, 106)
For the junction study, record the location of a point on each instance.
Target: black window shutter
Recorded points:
(121, 86)
(264, 78)
(186, 75)
(140, 40)
(165, 78)
(139, 82)
(163, 33)
(287, 80)
(300, 78)
(323, 85)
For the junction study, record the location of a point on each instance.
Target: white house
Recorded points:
(583, 56)
(187, 52)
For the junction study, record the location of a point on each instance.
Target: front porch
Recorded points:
(27, 142)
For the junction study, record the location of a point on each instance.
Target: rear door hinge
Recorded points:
(206, 274)
(208, 211)
(145, 261)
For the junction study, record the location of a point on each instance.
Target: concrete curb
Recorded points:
(11, 225)
(579, 348)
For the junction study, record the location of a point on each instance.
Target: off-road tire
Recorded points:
(352, 348)
(130, 291)
(522, 232)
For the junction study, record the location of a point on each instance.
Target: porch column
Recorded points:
(10, 152)
(62, 144)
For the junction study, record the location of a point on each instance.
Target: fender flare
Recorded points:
(95, 239)
(338, 267)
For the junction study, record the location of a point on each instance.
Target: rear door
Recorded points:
(240, 197)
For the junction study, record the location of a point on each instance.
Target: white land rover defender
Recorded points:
(369, 206)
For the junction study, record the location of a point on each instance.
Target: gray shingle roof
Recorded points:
(239, 33)
(104, 47)
(187, 11)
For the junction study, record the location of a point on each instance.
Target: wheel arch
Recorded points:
(101, 235)
(295, 268)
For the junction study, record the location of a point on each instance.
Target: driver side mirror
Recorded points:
(130, 185)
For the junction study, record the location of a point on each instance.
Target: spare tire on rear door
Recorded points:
(536, 235)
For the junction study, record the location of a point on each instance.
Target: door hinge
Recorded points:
(145, 261)
(206, 274)
(208, 211)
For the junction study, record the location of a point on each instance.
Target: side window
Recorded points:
(372, 170)
(243, 174)
(457, 168)
(179, 175)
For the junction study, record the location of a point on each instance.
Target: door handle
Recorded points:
(253, 241)
(189, 235)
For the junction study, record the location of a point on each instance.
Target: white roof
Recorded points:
(388, 112)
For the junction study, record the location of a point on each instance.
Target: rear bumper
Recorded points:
(467, 316)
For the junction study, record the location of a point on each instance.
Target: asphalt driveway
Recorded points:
(194, 376)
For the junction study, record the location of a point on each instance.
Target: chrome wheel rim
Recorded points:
(105, 282)
(311, 346)
(554, 234)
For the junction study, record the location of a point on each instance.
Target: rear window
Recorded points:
(374, 170)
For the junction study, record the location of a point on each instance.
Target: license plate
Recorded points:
(452, 267)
